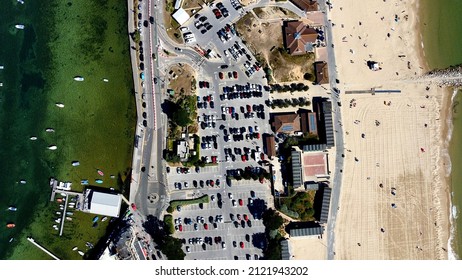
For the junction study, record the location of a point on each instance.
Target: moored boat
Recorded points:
(33, 138)
(81, 253)
(105, 80)
(75, 248)
(84, 182)
(95, 219)
(75, 163)
(23, 182)
(19, 26)
(10, 225)
(49, 130)
(12, 208)
(103, 219)
(78, 78)
(100, 172)
(52, 147)
(99, 181)
(60, 105)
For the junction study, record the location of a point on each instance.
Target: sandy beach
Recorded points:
(394, 201)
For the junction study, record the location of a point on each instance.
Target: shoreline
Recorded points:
(420, 178)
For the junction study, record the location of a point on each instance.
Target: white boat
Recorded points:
(19, 26)
(60, 105)
(81, 253)
(69, 218)
(1, 84)
(58, 213)
(2, 67)
(21, 2)
(75, 248)
(78, 79)
(52, 147)
(103, 219)
(75, 163)
(23, 182)
(49, 130)
(33, 138)
(105, 80)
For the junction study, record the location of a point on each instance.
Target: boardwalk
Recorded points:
(42, 248)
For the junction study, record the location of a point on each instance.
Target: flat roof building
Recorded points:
(308, 166)
(325, 205)
(297, 176)
(309, 123)
(101, 203)
(306, 232)
(181, 16)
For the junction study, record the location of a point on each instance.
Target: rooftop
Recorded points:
(299, 37)
(321, 72)
(306, 5)
(286, 123)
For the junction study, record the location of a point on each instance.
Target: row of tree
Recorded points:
(284, 103)
(288, 88)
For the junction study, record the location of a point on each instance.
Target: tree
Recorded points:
(308, 77)
(271, 219)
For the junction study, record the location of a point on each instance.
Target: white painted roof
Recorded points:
(181, 16)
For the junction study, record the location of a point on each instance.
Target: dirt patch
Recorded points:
(192, 5)
(266, 13)
(182, 80)
(264, 38)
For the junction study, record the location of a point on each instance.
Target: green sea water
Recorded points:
(61, 40)
(442, 34)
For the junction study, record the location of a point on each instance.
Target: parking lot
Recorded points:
(232, 118)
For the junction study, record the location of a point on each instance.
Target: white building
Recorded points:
(100, 203)
(181, 16)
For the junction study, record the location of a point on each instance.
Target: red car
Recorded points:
(212, 183)
(214, 159)
(249, 109)
(133, 206)
(257, 135)
(246, 218)
(220, 74)
(206, 226)
(243, 158)
(238, 217)
(241, 202)
(235, 74)
(241, 244)
(180, 227)
(262, 156)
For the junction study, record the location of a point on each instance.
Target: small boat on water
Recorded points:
(52, 147)
(75, 248)
(59, 200)
(58, 213)
(84, 182)
(78, 78)
(95, 219)
(12, 208)
(75, 163)
(99, 181)
(23, 182)
(105, 80)
(103, 219)
(60, 105)
(19, 26)
(10, 225)
(2, 67)
(49, 130)
(100, 172)
(69, 213)
(112, 177)
(69, 218)
(33, 138)
(20, 2)
(81, 253)
(11, 239)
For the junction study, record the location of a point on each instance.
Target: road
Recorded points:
(338, 130)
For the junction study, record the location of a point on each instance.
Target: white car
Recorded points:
(184, 29)
(226, 53)
(230, 195)
(223, 245)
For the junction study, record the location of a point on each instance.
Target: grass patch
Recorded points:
(169, 227)
(299, 206)
(183, 202)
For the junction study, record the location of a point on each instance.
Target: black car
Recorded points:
(203, 31)
(203, 18)
(224, 66)
(145, 23)
(139, 16)
(151, 20)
